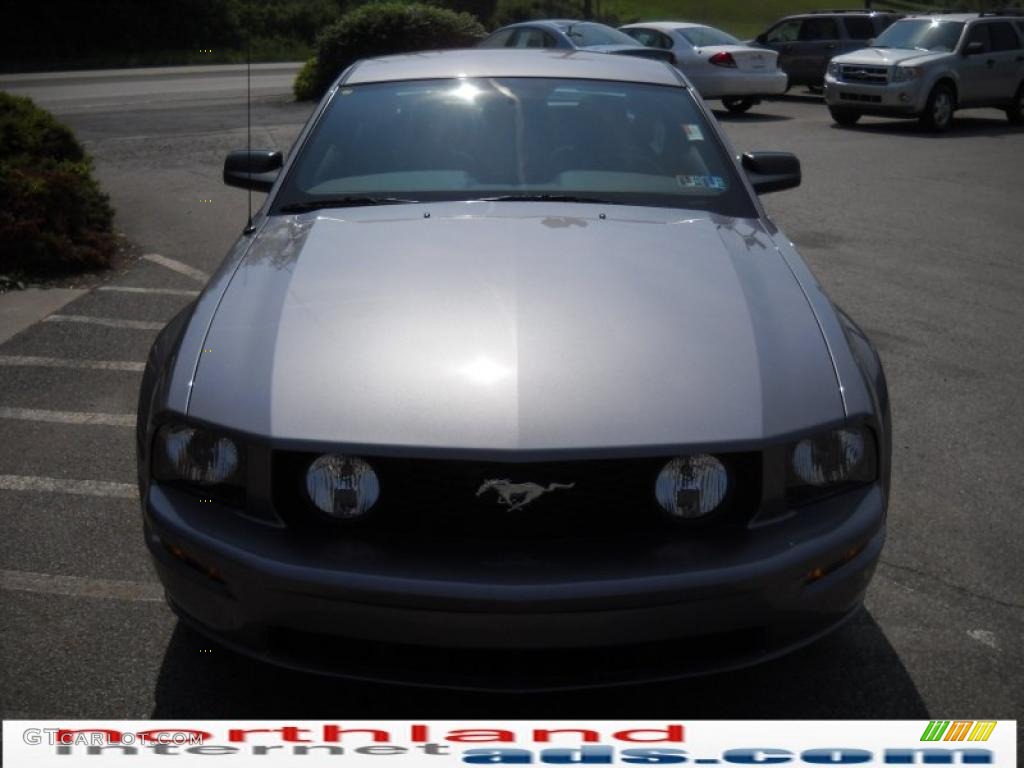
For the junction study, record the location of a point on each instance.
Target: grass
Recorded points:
(263, 50)
(742, 18)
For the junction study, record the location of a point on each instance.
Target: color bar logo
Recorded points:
(958, 730)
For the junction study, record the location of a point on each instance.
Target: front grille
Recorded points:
(430, 498)
(862, 97)
(856, 73)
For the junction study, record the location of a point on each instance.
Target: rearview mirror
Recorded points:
(974, 48)
(252, 168)
(771, 171)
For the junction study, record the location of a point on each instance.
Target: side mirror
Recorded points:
(974, 48)
(771, 171)
(252, 168)
(869, 42)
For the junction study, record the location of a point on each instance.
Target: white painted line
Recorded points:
(162, 291)
(61, 362)
(76, 586)
(177, 266)
(74, 487)
(69, 417)
(109, 322)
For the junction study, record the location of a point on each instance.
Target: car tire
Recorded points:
(938, 110)
(844, 116)
(1015, 112)
(738, 104)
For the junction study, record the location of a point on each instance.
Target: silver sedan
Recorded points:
(718, 65)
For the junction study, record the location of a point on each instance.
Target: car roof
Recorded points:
(944, 16)
(665, 25)
(504, 62)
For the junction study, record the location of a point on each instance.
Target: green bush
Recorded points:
(380, 29)
(53, 217)
(305, 85)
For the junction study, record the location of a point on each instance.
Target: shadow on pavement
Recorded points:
(962, 128)
(724, 116)
(853, 673)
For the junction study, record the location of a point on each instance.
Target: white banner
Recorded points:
(441, 743)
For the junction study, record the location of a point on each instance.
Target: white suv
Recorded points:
(928, 66)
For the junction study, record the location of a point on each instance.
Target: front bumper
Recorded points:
(741, 83)
(549, 619)
(904, 99)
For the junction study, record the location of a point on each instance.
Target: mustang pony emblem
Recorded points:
(516, 495)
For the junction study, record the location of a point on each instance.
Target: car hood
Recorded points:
(514, 327)
(884, 57)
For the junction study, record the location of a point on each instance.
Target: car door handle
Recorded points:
(991, 63)
(830, 47)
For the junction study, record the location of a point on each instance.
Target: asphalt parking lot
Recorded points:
(919, 237)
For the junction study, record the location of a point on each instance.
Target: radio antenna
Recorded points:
(248, 111)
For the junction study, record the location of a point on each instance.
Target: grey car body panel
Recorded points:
(515, 327)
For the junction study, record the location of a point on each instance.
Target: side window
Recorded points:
(786, 32)
(499, 39)
(858, 27)
(979, 34)
(649, 37)
(531, 37)
(1004, 37)
(664, 41)
(816, 28)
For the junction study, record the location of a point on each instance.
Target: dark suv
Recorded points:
(805, 42)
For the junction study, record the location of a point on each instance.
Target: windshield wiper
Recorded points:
(546, 198)
(341, 202)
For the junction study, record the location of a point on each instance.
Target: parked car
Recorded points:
(806, 42)
(717, 64)
(512, 383)
(569, 34)
(929, 66)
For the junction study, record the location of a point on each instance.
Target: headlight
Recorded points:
(343, 487)
(692, 486)
(903, 74)
(833, 458)
(195, 455)
(834, 69)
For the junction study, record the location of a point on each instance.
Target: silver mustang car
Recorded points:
(512, 384)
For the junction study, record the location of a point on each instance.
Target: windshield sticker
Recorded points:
(702, 182)
(693, 132)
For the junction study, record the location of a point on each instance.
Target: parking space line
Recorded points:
(177, 266)
(77, 586)
(162, 291)
(61, 362)
(73, 487)
(109, 322)
(68, 417)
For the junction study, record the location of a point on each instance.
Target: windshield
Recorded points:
(922, 34)
(472, 139)
(700, 37)
(587, 33)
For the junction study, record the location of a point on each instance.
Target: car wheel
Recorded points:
(938, 111)
(1015, 112)
(737, 104)
(844, 116)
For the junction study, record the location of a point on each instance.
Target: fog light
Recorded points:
(692, 486)
(343, 487)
